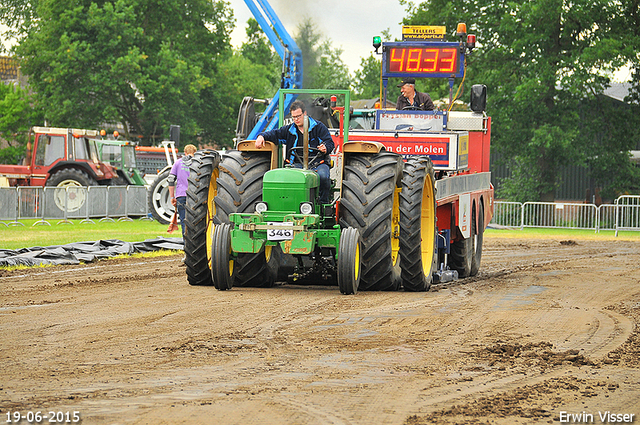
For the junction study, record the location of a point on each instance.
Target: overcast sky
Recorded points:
(350, 24)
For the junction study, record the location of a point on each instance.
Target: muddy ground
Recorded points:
(548, 328)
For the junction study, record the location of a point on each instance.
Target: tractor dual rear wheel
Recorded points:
(203, 173)
(418, 259)
(370, 204)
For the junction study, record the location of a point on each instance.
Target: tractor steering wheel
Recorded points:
(411, 108)
(314, 154)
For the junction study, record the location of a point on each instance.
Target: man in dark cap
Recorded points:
(411, 99)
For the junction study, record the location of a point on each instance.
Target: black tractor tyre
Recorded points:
(239, 187)
(80, 177)
(370, 204)
(222, 265)
(477, 234)
(349, 261)
(158, 198)
(70, 177)
(203, 172)
(462, 255)
(418, 234)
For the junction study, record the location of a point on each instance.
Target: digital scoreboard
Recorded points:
(422, 59)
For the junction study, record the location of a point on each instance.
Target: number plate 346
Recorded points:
(279, 231)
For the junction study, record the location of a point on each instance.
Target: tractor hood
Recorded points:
(283, 189)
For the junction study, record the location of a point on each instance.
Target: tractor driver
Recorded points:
(411, 99)
(292, 135)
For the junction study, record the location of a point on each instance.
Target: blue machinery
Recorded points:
(291, 56)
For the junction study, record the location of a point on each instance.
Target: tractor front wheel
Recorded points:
(370, 204)
(349, 261)
(239, 187)
(222, 263)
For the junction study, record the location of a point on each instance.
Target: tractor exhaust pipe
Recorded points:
(305, 143)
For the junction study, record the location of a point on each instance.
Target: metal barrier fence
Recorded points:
(623, 215)
(73, 202)
(559, 215)
(628, 217)
(108, 203)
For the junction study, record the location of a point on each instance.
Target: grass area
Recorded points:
(27, 236)
(30, 235)
(562, 234)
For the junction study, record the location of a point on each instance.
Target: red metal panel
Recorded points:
(479, 149)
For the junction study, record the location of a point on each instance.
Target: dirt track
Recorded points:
(546, 327)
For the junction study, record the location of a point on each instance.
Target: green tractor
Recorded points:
(122, 156)
(251, 222)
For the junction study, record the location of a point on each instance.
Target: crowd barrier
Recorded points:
(111, 203)
(46, 204)
(624, 214)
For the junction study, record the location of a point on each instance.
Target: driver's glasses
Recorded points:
(295, 117)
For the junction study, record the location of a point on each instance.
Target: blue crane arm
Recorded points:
(291, 55)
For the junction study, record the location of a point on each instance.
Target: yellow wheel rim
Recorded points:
(211, 212)
(427, 224)
(395, 226)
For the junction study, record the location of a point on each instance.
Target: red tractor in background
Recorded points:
(60, 157)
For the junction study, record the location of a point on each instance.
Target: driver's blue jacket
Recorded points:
(290, 136)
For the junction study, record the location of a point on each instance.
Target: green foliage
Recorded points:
(28, 235)
(257, 48)
(330, 72)
(608, 122)
(12, 155)
(367, 78)
(243, 77)
(142, 63)
(523, 185)
(262, 67)
(17, 115)
(18, 16)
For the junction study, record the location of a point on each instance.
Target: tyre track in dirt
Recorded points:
(147, 348)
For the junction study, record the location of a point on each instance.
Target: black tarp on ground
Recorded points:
(87, 252)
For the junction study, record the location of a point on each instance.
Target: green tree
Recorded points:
(18, 16)
(257, 48)
(17, 116)
(367, 78)
(541, 60)
(259, 52)
(330, 72)
(141, 63)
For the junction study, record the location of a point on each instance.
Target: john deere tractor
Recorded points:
(252, 222)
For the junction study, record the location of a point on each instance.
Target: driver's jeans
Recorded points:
(325, 181)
